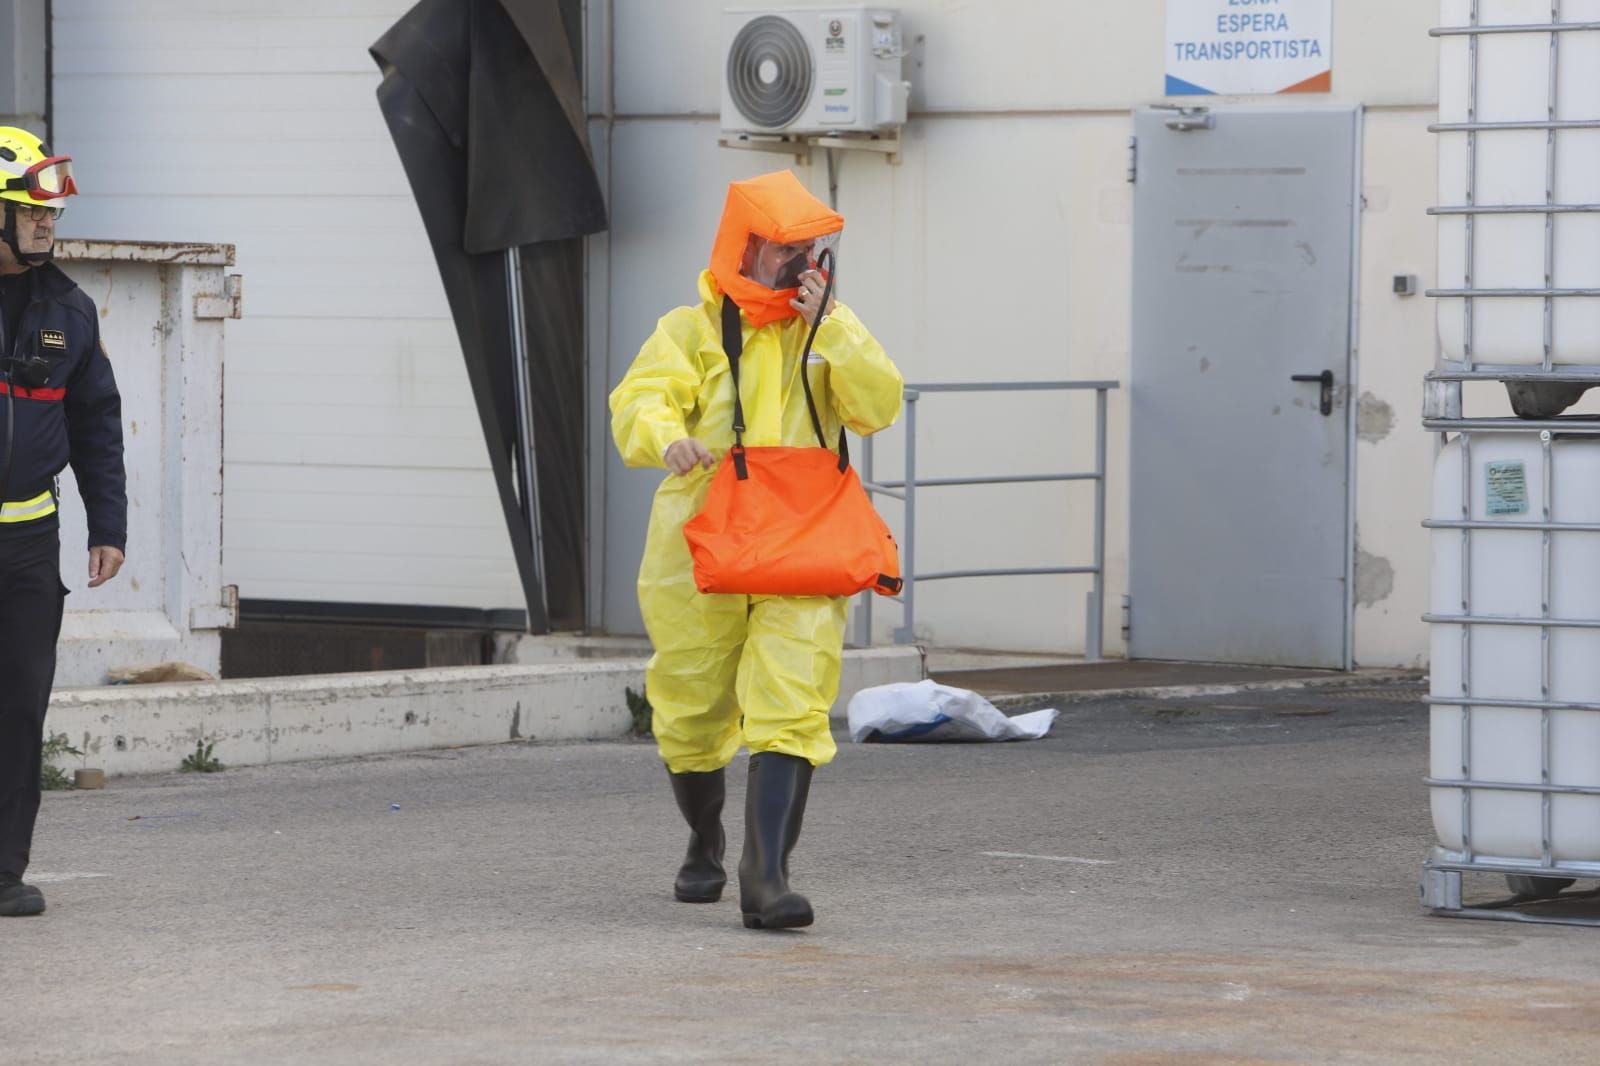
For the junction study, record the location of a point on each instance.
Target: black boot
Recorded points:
(700, 797)
(18, 900)
(774, 807)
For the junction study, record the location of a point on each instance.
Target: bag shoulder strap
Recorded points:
(733, 345)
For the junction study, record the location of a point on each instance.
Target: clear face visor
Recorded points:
(778, 265)
(48, 179)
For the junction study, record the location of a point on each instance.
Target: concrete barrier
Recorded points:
(137, 729)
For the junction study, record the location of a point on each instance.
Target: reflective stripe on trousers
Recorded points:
(27, 510)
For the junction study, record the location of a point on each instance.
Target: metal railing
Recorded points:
(906, 491)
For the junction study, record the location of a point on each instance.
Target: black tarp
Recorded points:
(484, 103)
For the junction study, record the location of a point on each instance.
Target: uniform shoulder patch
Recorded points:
(53, 338)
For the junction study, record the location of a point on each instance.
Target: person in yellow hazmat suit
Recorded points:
(761, 671)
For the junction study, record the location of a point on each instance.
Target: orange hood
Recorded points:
(775, 206)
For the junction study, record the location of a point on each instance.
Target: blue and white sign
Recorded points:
(1231, 47)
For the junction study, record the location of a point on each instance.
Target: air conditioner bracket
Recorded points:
(801, 145)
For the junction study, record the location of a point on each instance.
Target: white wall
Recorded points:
(1000, 248)
(1394, 457)
(355, 467)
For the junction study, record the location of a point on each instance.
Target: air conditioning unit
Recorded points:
(813, 70)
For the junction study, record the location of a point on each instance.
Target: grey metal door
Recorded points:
(1243, 238)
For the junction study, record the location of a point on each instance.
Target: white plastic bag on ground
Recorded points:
(928, 711)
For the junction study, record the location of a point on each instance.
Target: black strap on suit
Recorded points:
(733, 345)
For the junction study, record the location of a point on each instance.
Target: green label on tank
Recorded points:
(1506, 488)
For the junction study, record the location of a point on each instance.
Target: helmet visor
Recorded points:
(48, 179)
(778, 265)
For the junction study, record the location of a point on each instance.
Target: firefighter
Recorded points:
(58, 405)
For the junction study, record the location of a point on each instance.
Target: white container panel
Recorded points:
(1507, 744)
(168, 601)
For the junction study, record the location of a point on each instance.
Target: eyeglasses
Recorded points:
(39, 212)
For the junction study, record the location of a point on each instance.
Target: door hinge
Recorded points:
(1133, 160)
(1127, 620)
(1188, 118)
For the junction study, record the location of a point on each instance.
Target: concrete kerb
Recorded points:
(138, 729)
(1178, 692)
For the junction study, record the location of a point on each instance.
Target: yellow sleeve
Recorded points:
(867, 388)
(651, 404)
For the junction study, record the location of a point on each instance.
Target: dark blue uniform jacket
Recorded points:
(75, 416)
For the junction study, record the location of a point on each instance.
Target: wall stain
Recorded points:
(1374, 578)
(1374, 418)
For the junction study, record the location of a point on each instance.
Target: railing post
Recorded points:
(1094, 642)
(906, 634)
(864, 610)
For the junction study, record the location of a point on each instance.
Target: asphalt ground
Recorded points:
(1220, 879)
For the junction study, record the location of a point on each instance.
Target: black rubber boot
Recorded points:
(700, 797)
(18, 900)
(774, 807)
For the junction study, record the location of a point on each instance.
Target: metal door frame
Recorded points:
(1352, 383)
(1357, 113)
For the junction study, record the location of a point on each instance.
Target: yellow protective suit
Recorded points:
(772, 659)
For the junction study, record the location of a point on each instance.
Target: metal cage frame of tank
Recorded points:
(1441, 889)
(1468, 369)
(1442, 413)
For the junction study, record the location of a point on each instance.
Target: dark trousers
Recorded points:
(31, 596)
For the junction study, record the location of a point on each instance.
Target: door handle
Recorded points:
(1325, 379)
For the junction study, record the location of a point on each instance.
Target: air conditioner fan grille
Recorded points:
(769, 71)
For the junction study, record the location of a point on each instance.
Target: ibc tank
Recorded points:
(1513, 168)
(1507, 744)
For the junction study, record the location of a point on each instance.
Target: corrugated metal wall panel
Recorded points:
(355, 466)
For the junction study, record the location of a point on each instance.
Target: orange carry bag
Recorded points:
(788, 521)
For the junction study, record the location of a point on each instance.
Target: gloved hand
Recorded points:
(684, 455)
